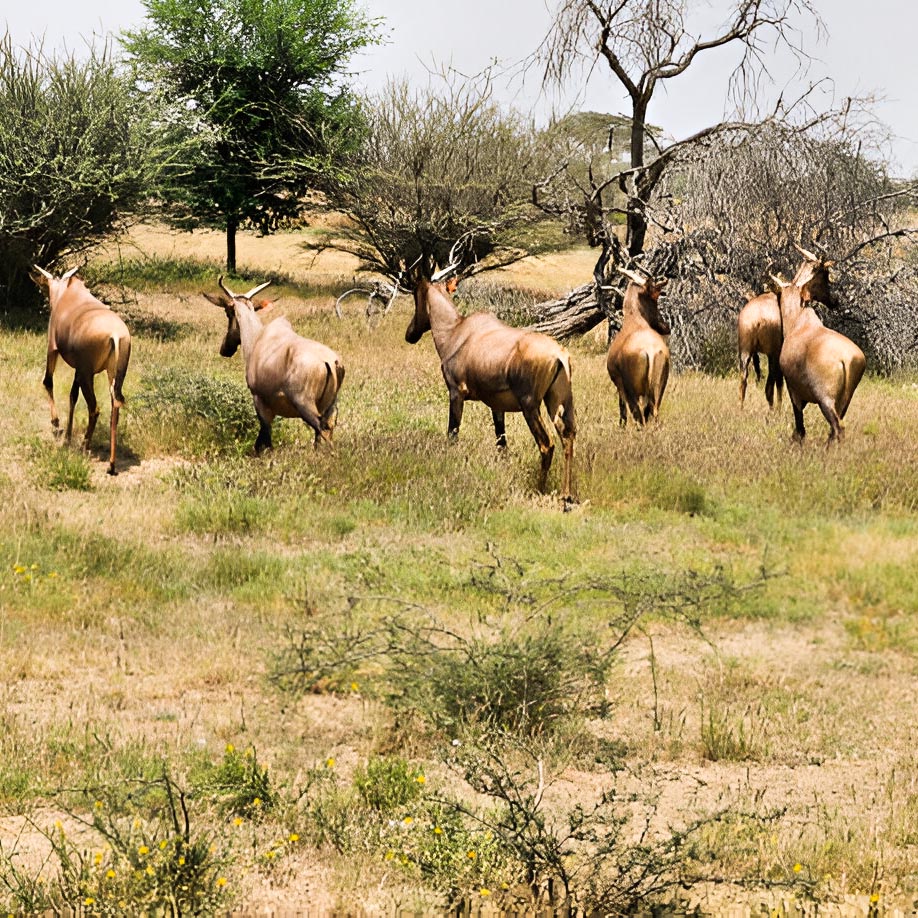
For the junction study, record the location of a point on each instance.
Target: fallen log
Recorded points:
(573, 314)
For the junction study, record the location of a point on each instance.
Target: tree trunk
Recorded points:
(574, 314)
(232, 224)
(637, 220)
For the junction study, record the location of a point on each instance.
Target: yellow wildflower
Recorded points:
(798, 867)
(354, 686)
(98, 858)
(438, 830)
(421, 779)
(143, 849)
(163, 845)
(484, 891)
(230, 748)
(181, 862)
(221, 881)
(389, 855)
(408, 820)
(99, 804)
(294, 837)
(256, 801)
(150, 871)
(88, 900)
(238, 821)
(110, 874)
(875, 898)
(329, 762)
(472, 855)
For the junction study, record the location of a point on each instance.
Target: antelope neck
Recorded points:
(250, 328)
(443, 319)
(791, 308)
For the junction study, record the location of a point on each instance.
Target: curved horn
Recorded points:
(255, 290)
(632, 275)
(779, 281)
(807, 255)
(226, 289)
(70, 273)
(442, 275)
(43, 272)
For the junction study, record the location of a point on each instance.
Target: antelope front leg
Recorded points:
(456, 404)
(499, 428)
(48, 383)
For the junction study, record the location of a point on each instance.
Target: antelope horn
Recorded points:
(441, 275)
(43, 272)
(632, 275)
(226, 289)
(255, 290)
(70, 273)
(779, 281)
(807, 255)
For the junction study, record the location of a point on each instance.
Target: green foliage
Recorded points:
(261, 82)
(136, 865)
(60, 468)
(386, 784)
(240, 785)
(77, 150)
(209, 413)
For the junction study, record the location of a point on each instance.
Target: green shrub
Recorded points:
(60, 468)
(385, 784)
(239, 785)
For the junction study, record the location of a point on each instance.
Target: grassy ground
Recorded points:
(140, 616)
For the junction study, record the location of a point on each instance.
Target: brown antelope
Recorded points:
(90, 338)
(819, 365)
(638, 360)
(508, 369)
(759, 332)
(288, 375)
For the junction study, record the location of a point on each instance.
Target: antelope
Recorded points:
(638, 359)
(90, 338)
(819, 365)
(508, 369)
(288, 375)
(759, 332)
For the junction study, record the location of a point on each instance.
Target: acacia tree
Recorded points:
(77, 151)
(262, 82)
(443, 173)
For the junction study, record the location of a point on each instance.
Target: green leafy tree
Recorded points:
(77, 151)
(263, 83)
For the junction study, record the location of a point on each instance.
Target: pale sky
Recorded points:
(869, 49)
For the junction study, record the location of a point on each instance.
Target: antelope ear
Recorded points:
(217, 300)
(261, 305)
(452, 284)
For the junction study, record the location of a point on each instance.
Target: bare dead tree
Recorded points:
(645, 43)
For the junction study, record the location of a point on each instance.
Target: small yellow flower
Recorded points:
(270, 854)
(19, 569)
(110, 874)
(249, 752)
(88, 900)
(163, 845)
(421, 779)
(221, 881)
(438, 830)
(408, 820)
(238, 821)
(99, 804)
(97, 859)
(329, 762)
(798, 867)
(875, 898)
(256, 801)
(136, 823)
(58, 825)
(230, 748)
(181, 861)
(472, 855)
(294, 837)
(143, 849)
(389, 855)
(354, 686)
(484, 891)
(34, 567)
(150, 871)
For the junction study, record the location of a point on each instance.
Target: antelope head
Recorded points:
(813, 278)
(420, 282)
(643, 296)
(53, 286)
(225, 300)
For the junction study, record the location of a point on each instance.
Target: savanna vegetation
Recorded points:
(392, 674)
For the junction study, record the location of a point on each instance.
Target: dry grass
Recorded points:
(151, 617)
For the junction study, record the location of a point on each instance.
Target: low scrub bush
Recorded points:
(60, 468)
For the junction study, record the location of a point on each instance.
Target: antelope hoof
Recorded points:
(111, 469)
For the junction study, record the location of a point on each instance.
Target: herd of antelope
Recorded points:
(482, 359)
